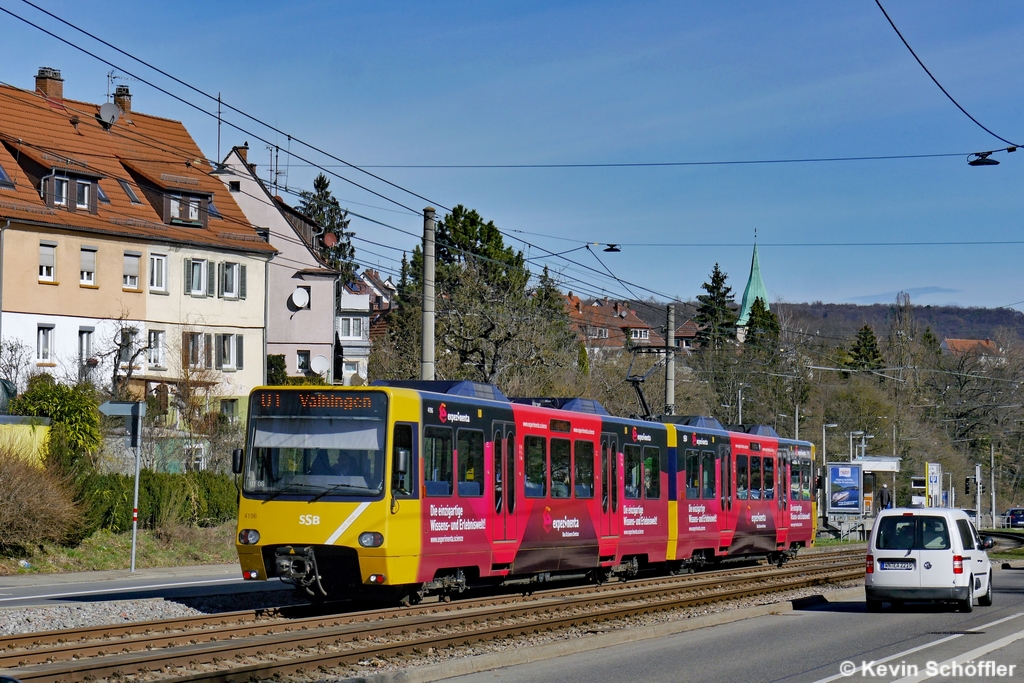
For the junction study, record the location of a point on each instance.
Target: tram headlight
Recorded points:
(371, 539)
(248, 537)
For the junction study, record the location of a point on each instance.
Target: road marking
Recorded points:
(912, 650)
(119, 590)
(967, 656)
(347, 523)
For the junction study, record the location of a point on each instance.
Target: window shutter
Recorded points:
(208, 348)
(186, 349)
(46, 255)
(241, 285)
(188, 276)
(210, 275)
(220, 280)
(88, 260)
(131, 265)
(218, 345)
(238, 350)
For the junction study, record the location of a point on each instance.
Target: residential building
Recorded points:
(123, 260)
(352, 328)
(985, 350)
(686, 335)
(383, 293)
(301, 289)
(605, 326)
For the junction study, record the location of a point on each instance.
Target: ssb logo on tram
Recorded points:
(309, 520)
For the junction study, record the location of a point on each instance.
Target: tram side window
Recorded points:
(634, 471)
(693, 474)
(755, 477)
(561, 466)
(652, 472)
(402, 484)
(498, 472)
(805, 480)
(437, 461)
(708, 475)
(794, 480)
(584, 479)
(782, 480)
(769, 479)
(741, 477)
(471, 462)
(536, 483)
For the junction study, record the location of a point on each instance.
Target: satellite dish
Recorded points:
(330, 239)
(300, 297)
(320, 364)
(109, 114)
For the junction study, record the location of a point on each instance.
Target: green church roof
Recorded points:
(755, 290)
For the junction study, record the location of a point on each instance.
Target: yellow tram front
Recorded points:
(327, 500)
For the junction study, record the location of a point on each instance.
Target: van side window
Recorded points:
(966, 537)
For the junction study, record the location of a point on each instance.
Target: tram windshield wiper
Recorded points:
(336, 487)
(290, 488)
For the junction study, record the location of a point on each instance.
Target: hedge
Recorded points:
(193, 498)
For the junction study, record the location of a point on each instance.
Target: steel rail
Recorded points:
(365, 626)
(98, 641)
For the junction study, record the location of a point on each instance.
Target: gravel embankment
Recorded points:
(58, 617)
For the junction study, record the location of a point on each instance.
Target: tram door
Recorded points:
(609, 485)
(727, 525)
(503, 482)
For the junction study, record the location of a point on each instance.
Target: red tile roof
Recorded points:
(980, 347)
(35, 131)
(608, 324)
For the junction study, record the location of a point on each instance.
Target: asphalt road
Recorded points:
(32, 590)
(810, 645)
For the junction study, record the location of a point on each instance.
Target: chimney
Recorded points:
(243, 152)
(123, 99)
(49, 83)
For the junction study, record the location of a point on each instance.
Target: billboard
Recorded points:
(845, 489)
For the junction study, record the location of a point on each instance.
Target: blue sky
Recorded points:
(600, 82)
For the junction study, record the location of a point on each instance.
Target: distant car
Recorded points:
(1015, 517)
(933, 554)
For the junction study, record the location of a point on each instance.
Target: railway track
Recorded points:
(244, 645)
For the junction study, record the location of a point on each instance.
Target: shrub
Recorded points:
(36, 506)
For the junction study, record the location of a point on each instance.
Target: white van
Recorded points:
(927, 554)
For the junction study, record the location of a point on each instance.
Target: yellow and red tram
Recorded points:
(411, 488)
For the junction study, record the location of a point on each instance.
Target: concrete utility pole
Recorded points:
(992, 480)
(427, 336)
(670, 362)
(977, 492)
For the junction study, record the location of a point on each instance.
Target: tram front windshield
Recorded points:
(316, 443)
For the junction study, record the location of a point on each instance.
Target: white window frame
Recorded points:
(308, 361)
(232, 280)
(158, 272)
(637, 333)
(44, 343)
(87, 277)
(85, 339)
(48, 273)
(203, 265)
(60, 191)
(354, 327)
(79, 187)
(228, 343)
(132, 281)
(157, 353)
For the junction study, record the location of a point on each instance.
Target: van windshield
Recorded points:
(912, 533)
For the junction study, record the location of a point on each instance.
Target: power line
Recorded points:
(936, 81)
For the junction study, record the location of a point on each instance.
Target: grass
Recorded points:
(172, 546)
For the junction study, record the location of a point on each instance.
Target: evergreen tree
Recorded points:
(930, 342)
(715, 316)
(865, 354)
(762, 328)
(323, 208)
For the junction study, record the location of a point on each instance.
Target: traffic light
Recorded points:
(981, 489)
(967, 486)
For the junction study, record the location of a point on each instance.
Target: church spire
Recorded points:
(755, 290)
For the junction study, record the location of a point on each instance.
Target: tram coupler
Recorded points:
(298, 566)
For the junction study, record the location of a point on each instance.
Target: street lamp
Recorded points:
(830, 425)
(739, 402)
(853, 434)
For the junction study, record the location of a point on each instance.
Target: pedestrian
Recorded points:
(884, 498)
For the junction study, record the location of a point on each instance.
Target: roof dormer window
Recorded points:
(5, 180)
(101, 195)
(128, 190)
(213, 210)
(184, 209)
(60, 191)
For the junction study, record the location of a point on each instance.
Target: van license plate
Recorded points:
(889, 564)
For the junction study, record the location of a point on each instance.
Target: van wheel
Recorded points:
(986, 599)
(873, 605)
(968, 604)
